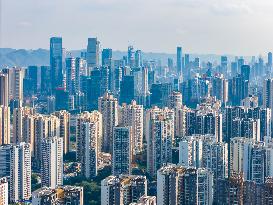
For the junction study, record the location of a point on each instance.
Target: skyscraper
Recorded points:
(132, 115)
(179, 60)
(52, 162)
(173, 184)
(107, 57)
(64, 117)
(56, 62)
(108, 107)
(92, 55)
(122, 150)
(123, 189)
(138, 59)
(20, 173)
(89, 137)
(5, 160)
(4, 89)
(159, 132)
(70, 64)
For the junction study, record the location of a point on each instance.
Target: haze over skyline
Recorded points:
(239, 27)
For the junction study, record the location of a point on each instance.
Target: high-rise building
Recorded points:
(245, 72)
(108, 107)
(62, 195)
(16, 77)
(70, 64)
(132, 115)
(131, 57)
(92, 54)
(179, 185)
(159, 132)
(179, 60)
(64, 117)
(23, 125)
(4, 88)
(138, 59)
(56, 62)
(20, 173)
(122, 150)
(5, 125)
(52, 162)
(219, 88)
(127, 89)
(106, 57)
(5, 159)
(4, 191)
(44, 127)
(89, 137)
(269, 60)
(123, 189)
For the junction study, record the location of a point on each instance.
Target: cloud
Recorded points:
(25, 24)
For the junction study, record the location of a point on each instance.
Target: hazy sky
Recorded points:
(240, 27)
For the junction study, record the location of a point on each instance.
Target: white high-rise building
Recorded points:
(89, 135)
(123, 189)
(20, 173)
(180, 185)
(4, 191)
(16, 85)
(44, 127)
(159, 129)
(108, 107)
(132, 115)
(64, 117)
(52, 162)
(122, 151)
(5, 125)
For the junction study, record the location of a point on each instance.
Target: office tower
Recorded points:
(92, 54)
(52, 162)
(4, 191)
(108, 107)
(269, 61)
(240, 62)
(106, 57)
(159, 132)
(224, 65)
(122, 150)
(160, 94)
(173, 184)
(127, 86)
(56, 62)
(234, 68)
(20, 173)
(4, 88)
(5, 159)
(170, 63)
(268, 94)
(45, 81)
(219, 88)
(31, 78)
(64, 117)
(89, 138)
(131, 57)
(132, 115)
(245, 72)
(63, 194)
(239, 89)
(44, 127)
(61, 99)
(5, 125)
(124, 189)
(138, 59)
(179, 60)
(80, 67)
(70, 64)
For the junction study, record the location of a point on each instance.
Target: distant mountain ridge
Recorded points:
(21, 57)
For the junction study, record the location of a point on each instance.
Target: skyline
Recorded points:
(214, 33)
